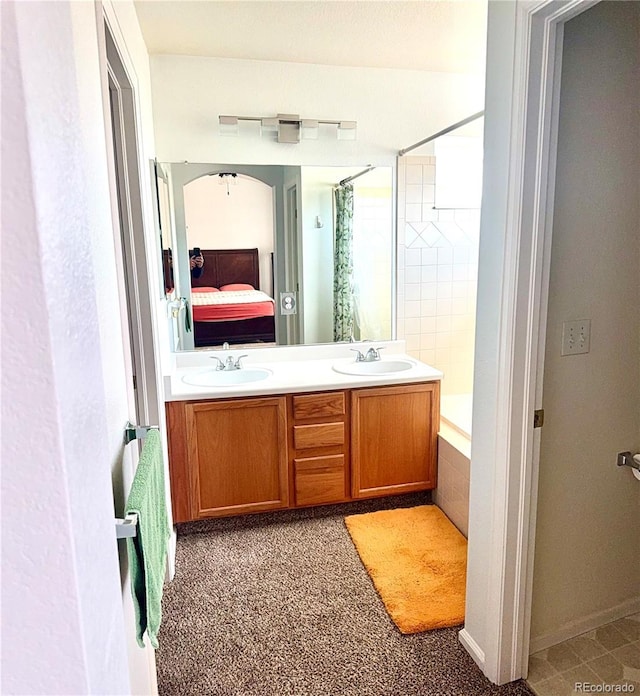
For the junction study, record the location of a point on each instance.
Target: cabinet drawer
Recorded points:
(318, 405)
(321, 435)
(319, 480)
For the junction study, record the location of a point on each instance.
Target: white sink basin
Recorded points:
(222, 378)
(377, 367)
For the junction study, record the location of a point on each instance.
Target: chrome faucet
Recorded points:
(229, 364)
(371, 355)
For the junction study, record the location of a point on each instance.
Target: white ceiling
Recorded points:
(432, 35)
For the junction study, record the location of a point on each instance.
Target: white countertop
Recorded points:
(294, 369)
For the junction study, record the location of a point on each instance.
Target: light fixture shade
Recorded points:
(228, 125)
(309, 129)
(347, 130)
(268, 126)
(290, 128)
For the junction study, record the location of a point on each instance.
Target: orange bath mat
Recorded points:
(417, 560)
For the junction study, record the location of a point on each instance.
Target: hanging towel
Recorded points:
(148, 549)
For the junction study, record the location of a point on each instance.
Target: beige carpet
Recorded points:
(417, 560)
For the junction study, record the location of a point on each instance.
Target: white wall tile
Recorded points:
(458, 306)
(411, 326)
(411, 308)
(443, 323)
(412, 291)
(445, 256)
(428, 308)
(428, 194)
(459, 288)
(428, 291)
(443, 356)
(428, 325)
(443, 306)
(429, 257)
(437, 287)
(413, 342)
(461, 254)
(427, 341)
(428, 356)
(413, 174)
(414, 193)
(445, 272)
(429, 274)
(412, 274)
(413, 212)
(428, 174)
(460, 271)
(412, 257)
(444, 289)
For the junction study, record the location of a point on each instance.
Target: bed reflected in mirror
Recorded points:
(280, 254)
(231, 288)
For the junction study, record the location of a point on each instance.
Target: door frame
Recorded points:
(293, 263)
(504, 548)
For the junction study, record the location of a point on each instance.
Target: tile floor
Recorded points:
(609, 655)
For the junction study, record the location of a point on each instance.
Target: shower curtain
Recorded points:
(343, 265)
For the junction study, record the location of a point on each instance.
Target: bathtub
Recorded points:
(454, 458)
(455, 411)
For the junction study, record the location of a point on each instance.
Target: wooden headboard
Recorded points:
(224, 266)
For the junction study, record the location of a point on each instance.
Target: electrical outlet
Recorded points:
(576, 337)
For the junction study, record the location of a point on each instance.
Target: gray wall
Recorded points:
(587, 561)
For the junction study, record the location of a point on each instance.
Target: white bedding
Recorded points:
(229, 297)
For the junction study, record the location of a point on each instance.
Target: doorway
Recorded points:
(293, 265)
(591, 380)
(523, 88)
(135, 310)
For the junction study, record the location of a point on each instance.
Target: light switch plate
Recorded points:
(576, 337)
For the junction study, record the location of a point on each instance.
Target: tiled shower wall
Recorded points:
(437, 276)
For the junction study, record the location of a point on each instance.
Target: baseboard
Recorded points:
(472, 647)
(588, 623)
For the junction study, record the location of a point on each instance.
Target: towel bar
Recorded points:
(136, 432)
(126, 527)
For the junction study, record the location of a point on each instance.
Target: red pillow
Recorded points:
(204, 289)
(237, 286)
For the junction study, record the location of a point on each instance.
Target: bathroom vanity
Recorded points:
(308, 435)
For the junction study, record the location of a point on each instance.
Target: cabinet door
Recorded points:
(237, 453)
(394, 439)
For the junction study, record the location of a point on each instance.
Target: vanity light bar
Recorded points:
(289, 127)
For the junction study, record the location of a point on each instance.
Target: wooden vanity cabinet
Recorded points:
(227, 457)
(235, 456)
(394, 439)
(319, 447)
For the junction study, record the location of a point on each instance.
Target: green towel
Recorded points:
(148, 549)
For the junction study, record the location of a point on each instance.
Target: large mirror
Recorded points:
(266, 254)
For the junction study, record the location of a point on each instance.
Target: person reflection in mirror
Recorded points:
(196, 263)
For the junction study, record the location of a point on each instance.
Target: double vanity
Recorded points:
(298, 426)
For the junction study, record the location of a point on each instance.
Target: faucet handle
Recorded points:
(238, 365)
(374, 353)
(220, 365)
(359, 357)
